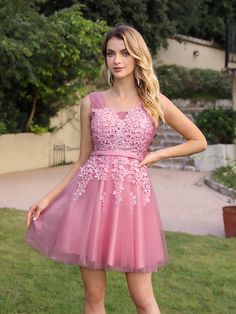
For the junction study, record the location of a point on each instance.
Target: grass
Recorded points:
(200, 277)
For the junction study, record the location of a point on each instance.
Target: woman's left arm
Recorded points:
(175, 118)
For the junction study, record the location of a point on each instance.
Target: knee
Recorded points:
(143, 302)
(95, 295)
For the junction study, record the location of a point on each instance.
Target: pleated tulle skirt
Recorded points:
(93, 232)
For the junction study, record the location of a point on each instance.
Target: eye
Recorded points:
(109, 53)
(125, 53)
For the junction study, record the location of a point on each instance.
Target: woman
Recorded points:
(103, 215)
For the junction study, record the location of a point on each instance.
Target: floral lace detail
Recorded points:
(101, 199)
(132, 202)
(119, 172)
(93, 168)
(132, 133)
(99, 167)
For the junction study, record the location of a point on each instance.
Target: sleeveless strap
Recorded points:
(96, 100)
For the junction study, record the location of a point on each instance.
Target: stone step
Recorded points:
(187, 160)
(166, 142)
(189, 111)
(169, 143)
(166, 136)
(170, 163)
(175, 167)
(189, 115)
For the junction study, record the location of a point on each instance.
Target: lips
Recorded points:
(117, 69)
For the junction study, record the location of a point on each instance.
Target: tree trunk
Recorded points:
(33, 109)
(234, 90)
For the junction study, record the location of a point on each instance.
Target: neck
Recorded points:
(125, 87)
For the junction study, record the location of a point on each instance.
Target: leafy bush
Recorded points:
(3, 128)
(37, 129)
(45, 62)
(218, 125)
(226, 175)
(180, 82)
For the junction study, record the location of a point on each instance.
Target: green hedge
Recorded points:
(218, 125)
(226, 175)
(180, 82)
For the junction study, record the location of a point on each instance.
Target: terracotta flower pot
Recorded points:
(229, 216)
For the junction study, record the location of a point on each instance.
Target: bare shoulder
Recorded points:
(106, 93)
(85, 103)
(166, 102)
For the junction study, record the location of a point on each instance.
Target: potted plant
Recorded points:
(223, 180)
(229, 216)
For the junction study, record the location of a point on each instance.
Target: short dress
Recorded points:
(107, 216)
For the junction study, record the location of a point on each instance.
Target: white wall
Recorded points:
(209, 55)
(25, 151)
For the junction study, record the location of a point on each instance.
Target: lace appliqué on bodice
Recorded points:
(123, 143)
(97, 167)
(131, 133)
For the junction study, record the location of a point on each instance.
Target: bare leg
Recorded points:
(141, 291)
(94, 290)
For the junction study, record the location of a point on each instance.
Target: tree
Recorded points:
(202, 18)
(149, 17)
(156, 19)
(44, 61)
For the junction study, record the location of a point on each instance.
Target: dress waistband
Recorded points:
(118, 153)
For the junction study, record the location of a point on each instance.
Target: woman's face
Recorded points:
(119, 61)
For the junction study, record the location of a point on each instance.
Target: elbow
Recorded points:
(203, 144)
(200, 144)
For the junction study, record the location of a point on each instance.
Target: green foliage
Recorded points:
(150, 18)
(37, 129)
(180, 82)
(202, 18)
(44, 61)
(218, 125)
(3, 127)
(226, 175)
(49, 7)
(156, 19)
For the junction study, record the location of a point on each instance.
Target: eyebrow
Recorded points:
(125, 49)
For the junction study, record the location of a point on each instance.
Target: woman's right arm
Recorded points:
(86, 146)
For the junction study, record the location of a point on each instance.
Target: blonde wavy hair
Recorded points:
(146, 81)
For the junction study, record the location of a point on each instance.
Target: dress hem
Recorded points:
(57, 259)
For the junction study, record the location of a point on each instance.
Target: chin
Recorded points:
(121, 76)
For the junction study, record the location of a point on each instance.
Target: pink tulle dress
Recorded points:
(107, 216)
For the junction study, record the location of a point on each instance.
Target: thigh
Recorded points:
(139, 284)
(93, 279)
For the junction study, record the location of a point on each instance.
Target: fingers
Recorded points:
(37, 213)
(34, 213)
(29, 215)
(145, 163)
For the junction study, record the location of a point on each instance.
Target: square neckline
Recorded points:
(107, 106)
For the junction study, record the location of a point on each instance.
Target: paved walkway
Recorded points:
(185, 202)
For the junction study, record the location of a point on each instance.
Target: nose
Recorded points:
(117, 59)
